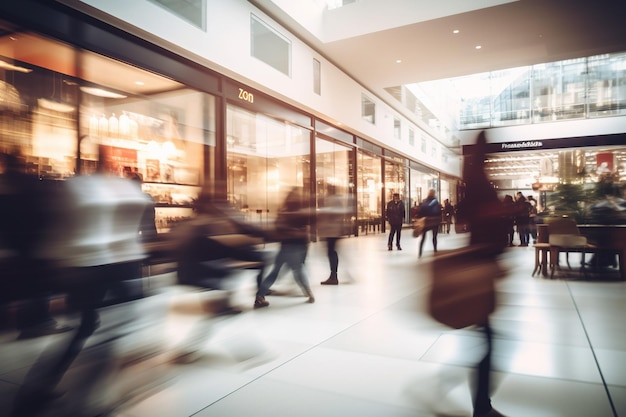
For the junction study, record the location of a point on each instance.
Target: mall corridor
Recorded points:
(366, 348)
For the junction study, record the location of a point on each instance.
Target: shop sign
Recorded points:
(534, 144)
(618, 139)
(246, 95)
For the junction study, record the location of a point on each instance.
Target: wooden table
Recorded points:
(609, 238)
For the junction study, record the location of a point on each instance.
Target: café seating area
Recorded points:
(606, 245)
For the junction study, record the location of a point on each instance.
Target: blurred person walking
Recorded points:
(484, 214)
(23, 220)
(92, 241)
(395, 216)
(207, 244)
(431, 210)
(292, 229)
(331, 227)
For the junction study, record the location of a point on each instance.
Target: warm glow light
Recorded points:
(11, 67)
(455, 31)
(478, 47)
(94, 91)
(55, 105)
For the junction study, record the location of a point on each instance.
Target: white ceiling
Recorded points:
(366, 38)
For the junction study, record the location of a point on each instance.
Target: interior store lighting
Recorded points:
(10, 67)
(95, 91)
(55, 105)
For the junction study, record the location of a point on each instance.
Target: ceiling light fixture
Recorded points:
(455, 31)
(6, 66)
(478, 47)
(398, 61)
(55, 105)
(94, 91)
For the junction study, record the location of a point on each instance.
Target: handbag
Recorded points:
(462, 292)
(418, 226)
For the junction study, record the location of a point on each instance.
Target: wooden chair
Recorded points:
(564, 236)
(541, 258)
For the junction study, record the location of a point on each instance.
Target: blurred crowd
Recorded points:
(87, 240)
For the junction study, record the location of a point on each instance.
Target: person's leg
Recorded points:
(422, 241)
(482, 401)
(435, 232)
(392, 232)
(333, 257)
(281, 258)
(296, 263)
(398, 236)
(333, 260)
(525, 234)
(41, 380)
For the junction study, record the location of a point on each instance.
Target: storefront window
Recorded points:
(421, 181)
(77, 112)
(333, 173)
(266, 158)
(369, 190)
(395, 181)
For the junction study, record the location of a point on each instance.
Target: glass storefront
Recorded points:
(67, 111)
(396, 180)
(421, 180)
(266, 158)
(369, 191)
(334, 173)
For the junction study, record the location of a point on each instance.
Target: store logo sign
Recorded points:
(523, 145)
(246, 96)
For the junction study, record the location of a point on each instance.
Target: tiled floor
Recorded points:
(365, 348)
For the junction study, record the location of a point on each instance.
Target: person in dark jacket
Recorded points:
(509, 215)
(395, 216)
(431, 209)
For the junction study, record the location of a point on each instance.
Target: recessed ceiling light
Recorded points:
(455, 31)
(478, 46)
(139, 82)
(398, 61)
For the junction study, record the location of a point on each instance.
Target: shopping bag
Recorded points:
(462, 291)
(418, 226)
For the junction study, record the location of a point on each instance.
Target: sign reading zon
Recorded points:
(246, 96)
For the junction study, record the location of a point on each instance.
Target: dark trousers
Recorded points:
(435, 230)
(333, 257)
(293, 254)
(482, 401)
(524, 233)
(397, 231)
